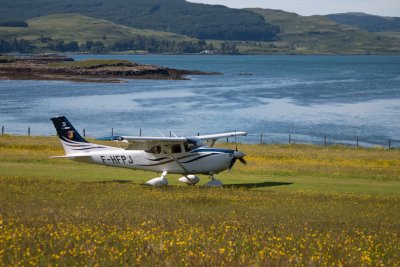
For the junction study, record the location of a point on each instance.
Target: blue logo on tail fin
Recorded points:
(66, 131)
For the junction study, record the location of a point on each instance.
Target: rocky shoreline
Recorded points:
(56, 67)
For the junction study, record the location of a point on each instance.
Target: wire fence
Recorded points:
(324, 140)
(257, 138)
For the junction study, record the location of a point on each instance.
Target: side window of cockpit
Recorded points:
(189, 146)
(176, 148)
(154, 150)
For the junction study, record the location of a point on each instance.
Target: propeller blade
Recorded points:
(232, 163)
(237, 155)
(236, 141)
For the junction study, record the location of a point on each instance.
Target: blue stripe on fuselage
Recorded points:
(214, 150)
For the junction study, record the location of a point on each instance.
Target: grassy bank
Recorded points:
(297, 205)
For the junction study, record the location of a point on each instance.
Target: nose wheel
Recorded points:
(213, 182)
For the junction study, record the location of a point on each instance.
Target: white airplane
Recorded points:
(178, 155)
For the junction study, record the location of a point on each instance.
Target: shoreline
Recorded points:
(62, 68)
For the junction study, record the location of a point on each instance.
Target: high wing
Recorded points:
(212, 138)
(145, 142)
(148, 138)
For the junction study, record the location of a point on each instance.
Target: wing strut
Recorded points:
(176, 160)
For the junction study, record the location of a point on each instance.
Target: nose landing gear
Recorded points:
(213, 182)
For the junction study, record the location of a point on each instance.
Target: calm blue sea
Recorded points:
(306, 96)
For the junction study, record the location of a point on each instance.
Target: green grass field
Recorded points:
(291, 205)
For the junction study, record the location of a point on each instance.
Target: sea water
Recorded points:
(309, 98)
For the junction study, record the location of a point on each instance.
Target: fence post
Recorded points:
(261, 138)
(140, 132)
(2, 130)
(112, 131)
(357, 141)
(290, 139)
(389, 144)
(29, 130)
(84, 132)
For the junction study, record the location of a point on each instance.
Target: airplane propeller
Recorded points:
(242, 160)
(237, 156)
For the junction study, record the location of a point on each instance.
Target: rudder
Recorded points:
(66, 131)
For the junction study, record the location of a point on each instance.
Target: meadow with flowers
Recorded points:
(297, 205)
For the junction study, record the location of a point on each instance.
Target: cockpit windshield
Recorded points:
(192, 143)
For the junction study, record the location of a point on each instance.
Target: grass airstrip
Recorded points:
(297, 205)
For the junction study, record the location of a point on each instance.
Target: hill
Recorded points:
(298, 35)
(178, 16)
(75, 27)
(319, 34)
(81, 28)
(368, 22)
(74, 32)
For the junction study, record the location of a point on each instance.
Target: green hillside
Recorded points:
(73, 33)
(368, 22)
(299, 35)
(318, 34)
(178, 16)
(75, 27)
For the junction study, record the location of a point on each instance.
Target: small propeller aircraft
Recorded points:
(187, 156)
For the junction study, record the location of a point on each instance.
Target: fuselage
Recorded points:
(202, 160)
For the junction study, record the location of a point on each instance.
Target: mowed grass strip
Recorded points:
(81, 214)
(295, 167)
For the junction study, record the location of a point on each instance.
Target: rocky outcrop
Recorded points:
(63, 68)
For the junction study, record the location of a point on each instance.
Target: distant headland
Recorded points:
(59, 67)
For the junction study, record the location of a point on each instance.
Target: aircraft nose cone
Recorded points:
(238, 154)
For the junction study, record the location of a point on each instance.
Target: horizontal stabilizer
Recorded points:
(111, 138)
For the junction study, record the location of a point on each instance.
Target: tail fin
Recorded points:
(66, 131)
(71, 140)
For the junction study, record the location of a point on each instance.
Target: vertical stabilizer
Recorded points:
(66, 131)
(71, 140)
